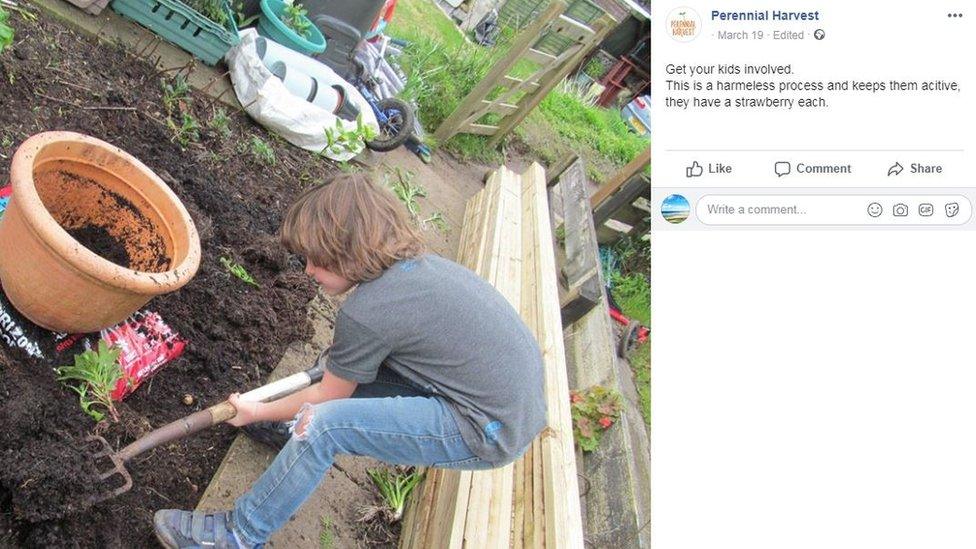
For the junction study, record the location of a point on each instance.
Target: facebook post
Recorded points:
(812, 231)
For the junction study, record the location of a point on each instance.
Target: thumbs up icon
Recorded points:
(695, 170)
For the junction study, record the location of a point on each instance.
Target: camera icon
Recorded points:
(900, 210)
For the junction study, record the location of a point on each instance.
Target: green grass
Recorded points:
(442, 67)
(327, 534)
(423, 18)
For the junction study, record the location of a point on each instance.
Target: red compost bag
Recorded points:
(146, 343)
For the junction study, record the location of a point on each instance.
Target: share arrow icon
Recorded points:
(895, 169)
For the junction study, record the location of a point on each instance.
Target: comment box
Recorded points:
(833, 210)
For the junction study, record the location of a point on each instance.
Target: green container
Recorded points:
(183, 26)
(271, 26)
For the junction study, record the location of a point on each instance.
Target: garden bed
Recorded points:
(53, 79)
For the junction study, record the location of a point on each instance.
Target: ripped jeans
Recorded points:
(390, 420)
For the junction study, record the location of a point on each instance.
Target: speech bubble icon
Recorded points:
(782, 168)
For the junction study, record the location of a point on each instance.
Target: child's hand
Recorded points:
(247, 412)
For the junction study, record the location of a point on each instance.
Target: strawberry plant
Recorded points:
(594, 411)
(295, 17)
(99, 372)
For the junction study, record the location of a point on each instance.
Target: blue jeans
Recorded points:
(391, 420)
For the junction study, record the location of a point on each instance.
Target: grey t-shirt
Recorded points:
(442, 327)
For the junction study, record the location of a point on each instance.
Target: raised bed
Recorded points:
(236, 332)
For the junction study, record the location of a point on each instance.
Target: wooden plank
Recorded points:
(563, 519)
(520, 45)
(511, 82)
(632, 168)
(480, 129)
(582, 255)
(530, 102)
(500, 108)
(540, 57)
(633, 188)
(518, 502)
(538, 498)
(572, 29)
(554, 172)
(581, 300)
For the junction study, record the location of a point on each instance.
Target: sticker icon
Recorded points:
(952, 209)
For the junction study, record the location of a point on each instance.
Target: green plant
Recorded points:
(405, 189)
(6, 31)
(435, 220)
(174, 91)
(327, 535)
(187, 132)
(238, 270)
(594, 69)
(99, 372)
(395, 486)
(594, 411)
(294, 16)
(220, 122)
(262, 151)
(339, 140)
(211, 9)
(239, 16)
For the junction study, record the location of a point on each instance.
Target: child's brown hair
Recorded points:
(352, 227)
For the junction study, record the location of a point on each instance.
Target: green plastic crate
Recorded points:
(183, 26)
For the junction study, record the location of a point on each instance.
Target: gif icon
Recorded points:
(926, 210)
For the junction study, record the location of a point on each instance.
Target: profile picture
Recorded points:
(675, 208)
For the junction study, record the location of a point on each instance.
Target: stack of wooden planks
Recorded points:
(507, 239)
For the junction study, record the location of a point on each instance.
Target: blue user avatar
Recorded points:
(675, 208)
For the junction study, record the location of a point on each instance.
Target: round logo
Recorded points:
(684, 24)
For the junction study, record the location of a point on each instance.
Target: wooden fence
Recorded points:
(513, 98)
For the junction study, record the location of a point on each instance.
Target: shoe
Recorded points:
(177, 529)
(270, 433)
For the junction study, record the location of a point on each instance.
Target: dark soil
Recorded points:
(98, 240)
(53, 79)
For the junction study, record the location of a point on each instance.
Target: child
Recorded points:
(429, 365)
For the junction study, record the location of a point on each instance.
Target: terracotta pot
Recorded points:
(67, 181)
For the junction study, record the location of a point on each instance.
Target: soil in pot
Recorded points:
(100, 241)
(101, 219)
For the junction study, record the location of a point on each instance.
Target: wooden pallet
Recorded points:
(507, 239)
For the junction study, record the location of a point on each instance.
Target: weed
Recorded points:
(295, 16)
(99, 372)
(6, 31)
(348, 167)
(174, 91)
(211, 9)
(239, 16)
(220, 123)
(327, 535)
(594, 411)
(395, 486)
(238, 270)
(405, 189)
(187, 132)
(262, 151)
(339, 140)
(436, 220)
